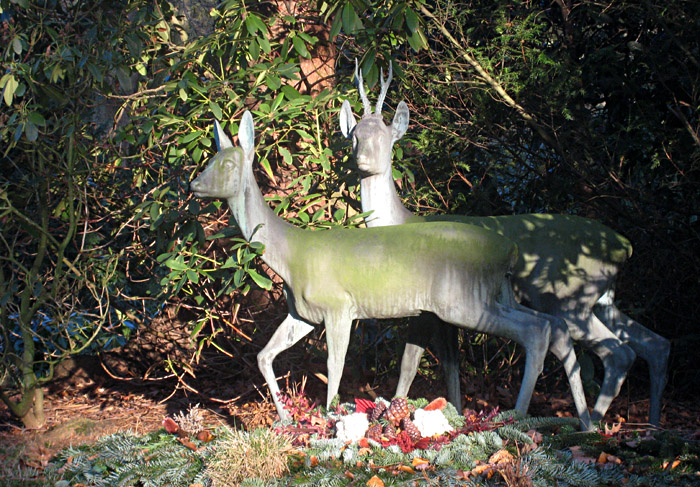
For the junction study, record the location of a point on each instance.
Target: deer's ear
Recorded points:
(246, 133)
(400, 123)
(347, 119)
(222, 140)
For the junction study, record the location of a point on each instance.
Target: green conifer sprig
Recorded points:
(454, 417)
(508, 415)
(509, 432)
(546, 423)
(123, 459)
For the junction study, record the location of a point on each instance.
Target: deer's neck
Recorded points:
(259, 223)
(378, 194)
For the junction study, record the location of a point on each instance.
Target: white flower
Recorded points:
(352, 427)
(431, 423)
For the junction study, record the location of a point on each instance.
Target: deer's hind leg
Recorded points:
(649, 346)
(422, 330)
(529, 331)
(337, 340)
(617, 357)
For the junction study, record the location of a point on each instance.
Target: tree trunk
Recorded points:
(30, 408)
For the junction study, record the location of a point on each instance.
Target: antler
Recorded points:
(361, 89)
(385, 88)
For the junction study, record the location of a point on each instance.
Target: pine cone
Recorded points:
(377, 412)
(389, 431)
(409, 427)
(398, 409)
(374, 432)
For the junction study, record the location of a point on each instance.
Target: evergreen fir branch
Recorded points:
(508, 415)
(454, 417)
(509, 432)
(541, 423)
(560, 469)
(569, 437)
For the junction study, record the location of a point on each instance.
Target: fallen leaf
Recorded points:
(349, 475)
(418, 461)
(580, 456)
(188, 444)
(375, 482)
(603, 457)
(614, 459)
(615, 428)
(463, 474)
(205, 436)
(406, 468)
(314, 461)
(170, 425)
(480, 469)
(501, 456)
(364, 451)
(536, 436)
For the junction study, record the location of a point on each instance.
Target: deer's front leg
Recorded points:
(337, 340)
(287, 334)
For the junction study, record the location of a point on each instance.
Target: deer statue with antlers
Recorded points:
(567, 265)
(334, 276)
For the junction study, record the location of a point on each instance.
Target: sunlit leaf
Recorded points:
(190, 137)
(300, 47)
(273, 82)
(193, 276)
(268, 170)
(261, 281)
(216, 110)
(264, 44)
(286, 155)
(17, 45)
(9, 84)
(254, 25)
(176, 265)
